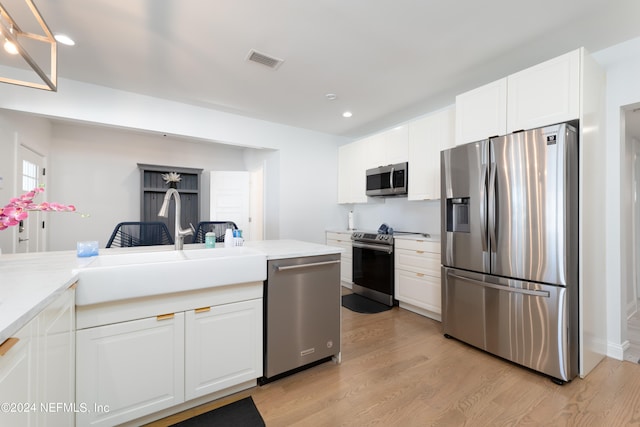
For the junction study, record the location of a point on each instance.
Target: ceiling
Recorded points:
(386, 60)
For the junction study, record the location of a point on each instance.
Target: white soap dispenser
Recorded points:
(228, 238)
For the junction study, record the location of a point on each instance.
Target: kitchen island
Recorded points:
(29, 283)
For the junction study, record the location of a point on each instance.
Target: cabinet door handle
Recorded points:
(419, 252)
(202, 310)
(7, 345)
(420, 274)
(165, 316)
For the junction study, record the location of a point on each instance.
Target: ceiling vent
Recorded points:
(263, 59)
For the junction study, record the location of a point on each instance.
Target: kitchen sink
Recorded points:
(121, 276)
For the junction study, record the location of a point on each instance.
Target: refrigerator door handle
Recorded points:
(543, 294)
(492, 208)
(483, 208)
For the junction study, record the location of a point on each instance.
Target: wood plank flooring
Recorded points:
(398, 370)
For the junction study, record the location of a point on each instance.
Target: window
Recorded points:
(29, 175)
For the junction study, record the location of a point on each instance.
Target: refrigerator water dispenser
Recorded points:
(458, 215)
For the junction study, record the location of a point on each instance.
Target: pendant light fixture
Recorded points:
(11, 36)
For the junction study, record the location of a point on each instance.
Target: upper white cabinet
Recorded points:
(427, 137)
(541, 95)
(375, 152)
(544, 94)
(482, 112)
(387, 148)
(351, 173)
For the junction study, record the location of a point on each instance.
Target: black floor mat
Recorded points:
(360, 304)
(241, 413)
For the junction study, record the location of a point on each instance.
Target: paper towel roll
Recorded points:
(351, 227)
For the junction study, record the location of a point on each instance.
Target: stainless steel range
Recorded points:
(373, 266)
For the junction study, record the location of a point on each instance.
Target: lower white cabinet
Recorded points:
(37, 368)
(18, 380)
(56, 362)
(223, 347)
(131, 369)
(342, 239)
(417, 276)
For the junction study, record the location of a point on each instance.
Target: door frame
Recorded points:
(35, 218)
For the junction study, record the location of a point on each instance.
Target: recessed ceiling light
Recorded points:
(64, 39)
(347, 114)
(331, 96)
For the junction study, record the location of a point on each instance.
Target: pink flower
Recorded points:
(17, 208)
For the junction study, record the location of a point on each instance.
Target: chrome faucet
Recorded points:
(164, 212)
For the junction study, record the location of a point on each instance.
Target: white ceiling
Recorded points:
(387, 60)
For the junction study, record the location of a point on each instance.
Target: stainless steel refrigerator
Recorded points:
(510, 247)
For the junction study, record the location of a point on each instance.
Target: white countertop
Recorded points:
(411, 236)
(279, 249)
(430, 238)
(30, 282)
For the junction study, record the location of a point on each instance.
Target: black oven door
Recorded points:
(373, 270)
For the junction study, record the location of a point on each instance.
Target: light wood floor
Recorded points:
(398, 370)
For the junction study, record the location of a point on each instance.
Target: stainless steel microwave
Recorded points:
(391, 180)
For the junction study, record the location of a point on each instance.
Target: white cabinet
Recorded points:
(351, 173)
(37, 368)
(223, 347)
(417, 276)
(397, 144)
(130, 369)
(133, 362)
(342, 239)
(387, 147)
(544, 94)
(56, 360)
(18, 380)
(427, 137)
(541, 95)
(355, 158)
(482, 112)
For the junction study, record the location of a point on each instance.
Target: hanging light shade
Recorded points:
(24, 43)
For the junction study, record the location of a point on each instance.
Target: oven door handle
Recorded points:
(380, 248)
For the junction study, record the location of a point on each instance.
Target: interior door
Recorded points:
(464, 172)
(31, 230)
(230, 198)
(532, 191)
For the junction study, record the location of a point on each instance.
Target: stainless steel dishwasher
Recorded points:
(302, 301)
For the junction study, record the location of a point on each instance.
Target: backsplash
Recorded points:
(399, 213)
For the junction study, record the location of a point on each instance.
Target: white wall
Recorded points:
(398, 213)
(300, 165)
(622, 64)
(16, 129)
(96, 169)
